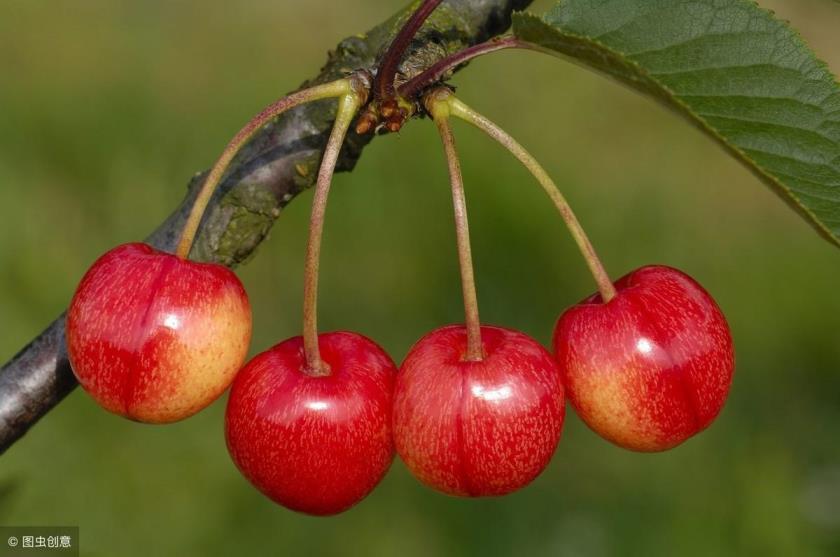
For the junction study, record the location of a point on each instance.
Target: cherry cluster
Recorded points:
(474, 410)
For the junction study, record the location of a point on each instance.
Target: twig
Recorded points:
(280, 161)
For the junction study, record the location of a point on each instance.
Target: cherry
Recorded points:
(476, 428)
(308, 422)
(478, 410)
(154, 337)
(317, 444)
(651, 367)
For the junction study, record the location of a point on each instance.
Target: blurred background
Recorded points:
(107, 108)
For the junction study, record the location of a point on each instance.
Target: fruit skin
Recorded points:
(316, 445)
(477, 428)
(653, 366)
(156, 338)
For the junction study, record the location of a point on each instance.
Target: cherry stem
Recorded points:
(387, 72)
(464, 112)
(348, 104)
(440, 114)
(327, 90)
(440, 69)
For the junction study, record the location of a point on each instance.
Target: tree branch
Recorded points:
(280, 162)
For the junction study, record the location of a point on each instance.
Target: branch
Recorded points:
(280, 162)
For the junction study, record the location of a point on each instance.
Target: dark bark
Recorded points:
(271, 170)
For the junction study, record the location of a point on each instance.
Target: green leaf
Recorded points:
(731, 68)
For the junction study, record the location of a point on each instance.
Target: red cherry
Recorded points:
(156, 338)
(477, 428)
(314, 444)
(651, 367)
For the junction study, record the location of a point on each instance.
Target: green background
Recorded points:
(107, 108)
